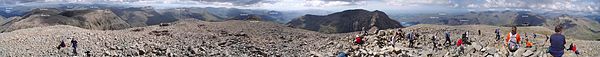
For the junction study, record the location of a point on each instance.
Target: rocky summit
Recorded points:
(298, 28)
(258, 39)
(345, 21)
(182, 38)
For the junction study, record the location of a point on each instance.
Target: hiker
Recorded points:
(459, 47)
(465, 38)
(410, 37)
(434, 41)
(528, 43)
(61, 45)
(497, 34)
(393, 38)
(74, 42)
(448, 41)
(526, 36)
(392, 41)
(416, 34)
(557, 42)
(573, 48)
(534, 35)
(365, 33)
(358, 40)
(513, 39)
(400, 33)
(479, 32)
(342, 54)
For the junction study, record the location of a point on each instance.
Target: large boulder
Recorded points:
(346, 21)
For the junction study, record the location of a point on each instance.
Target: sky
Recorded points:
(591, 6)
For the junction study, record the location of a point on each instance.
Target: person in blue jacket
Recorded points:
(557, 42)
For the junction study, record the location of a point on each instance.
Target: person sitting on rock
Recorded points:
(557, 42)
(459, 42)
(573, 48)
(459, 45)
(528, 43)
(513, 39)
(342, 54)
(61, 45)
(358, 40)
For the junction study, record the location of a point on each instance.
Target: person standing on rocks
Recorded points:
(448, 41)
(512, 40)
(74, 42)
(497, 34)
(364, 31)
(465, 38)
(410, 37)
(557, 42)
(534, 35)
(400, 33)
(434, 41)
(479, 32)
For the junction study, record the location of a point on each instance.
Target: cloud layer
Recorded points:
(546, 5)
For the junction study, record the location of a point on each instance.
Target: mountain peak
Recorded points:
(345, 21)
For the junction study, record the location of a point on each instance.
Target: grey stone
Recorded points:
(476, 46)
(528, 53)
(489, 56)
(491, 50)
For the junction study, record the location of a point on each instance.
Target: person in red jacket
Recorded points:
(573, 48)
(358, 40)
(459, 42)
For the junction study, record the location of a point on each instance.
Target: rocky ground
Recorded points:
(258, 39)
(185, 38)
(484, 45)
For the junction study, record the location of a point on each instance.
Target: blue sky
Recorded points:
(338, 5)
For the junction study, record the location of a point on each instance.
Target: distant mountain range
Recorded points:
(100, 19)
(103, 17)
(498, 18)
(578, 27)
(112, 17)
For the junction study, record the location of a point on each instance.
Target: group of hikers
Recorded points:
(512, 41)
(73, 45)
